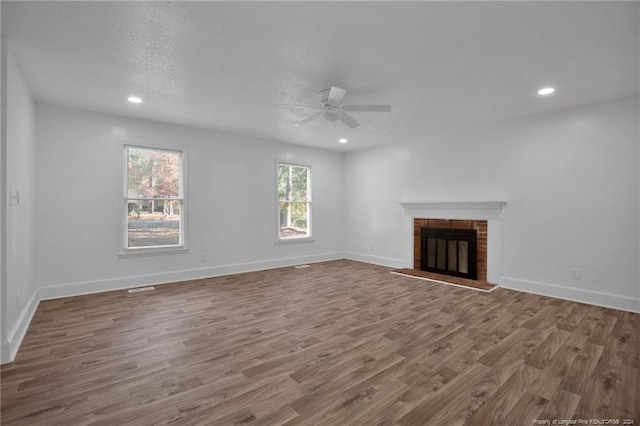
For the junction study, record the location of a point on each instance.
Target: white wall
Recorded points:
(19, 163)
(4, 345)
(571, 181)
(638, 130)
(231, 203)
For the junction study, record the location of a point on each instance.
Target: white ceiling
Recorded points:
(225, 65)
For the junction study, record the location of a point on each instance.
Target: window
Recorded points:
(294, 201)
(153, 201)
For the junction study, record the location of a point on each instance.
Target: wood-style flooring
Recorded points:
(339, 343)
(479, 285)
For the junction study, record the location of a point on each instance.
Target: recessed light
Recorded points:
(134, 99)
(343, 140)
(546, 91)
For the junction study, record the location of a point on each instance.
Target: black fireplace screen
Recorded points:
(449, 251)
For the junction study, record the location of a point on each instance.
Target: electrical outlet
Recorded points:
(17, 298)
(575, 274)
(203, 256)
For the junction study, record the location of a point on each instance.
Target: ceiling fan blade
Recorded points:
(308, 119)
(335, 96)
(297, 106)
(371, 108)
(348, 120)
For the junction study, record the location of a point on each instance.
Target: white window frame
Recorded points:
(306, 238)
(125, 250)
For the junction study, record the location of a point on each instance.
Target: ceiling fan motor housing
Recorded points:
(332, 110)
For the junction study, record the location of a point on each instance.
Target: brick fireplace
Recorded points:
(480, 226)
(485, 217)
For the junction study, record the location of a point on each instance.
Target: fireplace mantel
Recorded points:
(478, 210)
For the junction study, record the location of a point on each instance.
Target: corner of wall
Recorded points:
(17, 173)
(19, 330)
(4, 345)
(638, 168)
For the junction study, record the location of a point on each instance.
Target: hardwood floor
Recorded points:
(339, 343)
(479, 285)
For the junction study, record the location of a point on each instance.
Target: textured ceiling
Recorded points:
(225, 65)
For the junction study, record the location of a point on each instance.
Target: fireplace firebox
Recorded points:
(449, 251)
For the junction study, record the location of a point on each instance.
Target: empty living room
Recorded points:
(320, 213)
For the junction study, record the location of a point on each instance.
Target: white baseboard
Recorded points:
(9, 349)
(16, 334)
(14, 339)
(607, 300)
(98, 286)
(376, 260)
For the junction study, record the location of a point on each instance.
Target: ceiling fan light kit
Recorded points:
(332, 110)
(332, 114)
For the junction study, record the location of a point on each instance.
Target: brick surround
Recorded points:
(479, 225)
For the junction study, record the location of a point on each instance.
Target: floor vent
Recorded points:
(139, 289)
(302, 266)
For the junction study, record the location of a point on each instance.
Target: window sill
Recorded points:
(295, 241)
(152, 252)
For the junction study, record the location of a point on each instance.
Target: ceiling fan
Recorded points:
(331, 108)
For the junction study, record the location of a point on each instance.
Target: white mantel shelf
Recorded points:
(478, 210)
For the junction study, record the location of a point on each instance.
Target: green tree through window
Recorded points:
(154, 200)
(294, 201)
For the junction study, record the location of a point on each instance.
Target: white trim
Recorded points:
(623, 303)
(464, 210)
(445, 282)
(286, 241)
(89, 287)
(149, 251)
(375, 260)
(19, 329)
